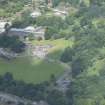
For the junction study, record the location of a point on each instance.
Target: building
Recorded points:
(22, 33)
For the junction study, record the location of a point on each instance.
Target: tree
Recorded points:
(56, 98)
(77, 66)
(97, 2)
(67, 55)
(53, 78)
(8, 77)
(50, 31)
(13, 43)
(85, 22)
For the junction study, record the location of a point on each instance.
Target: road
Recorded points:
(64, 81)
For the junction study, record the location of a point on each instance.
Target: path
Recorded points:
(64, 81)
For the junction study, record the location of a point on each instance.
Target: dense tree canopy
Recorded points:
(12, 43)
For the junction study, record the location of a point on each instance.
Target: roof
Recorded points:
(60, 11)
(30, 28)
(17, 29)
(35, 14)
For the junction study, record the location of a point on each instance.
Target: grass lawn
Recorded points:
(31, 70)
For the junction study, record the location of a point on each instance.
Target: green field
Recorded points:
(31, 70)
(34, 70)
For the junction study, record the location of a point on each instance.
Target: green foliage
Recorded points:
(50, 31)
(53, 24)
(12, 43)
(56, 98)
(88, 55)
(73, 2)
(67, 55)
(10, 7)
(97, 2)
(20, 88)
(24, 21)
(54, 21)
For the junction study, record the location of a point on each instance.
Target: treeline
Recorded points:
(19, 88)
(35, 92)
(87, 56)
(54, 25)
(89, 36)
(71, 2)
